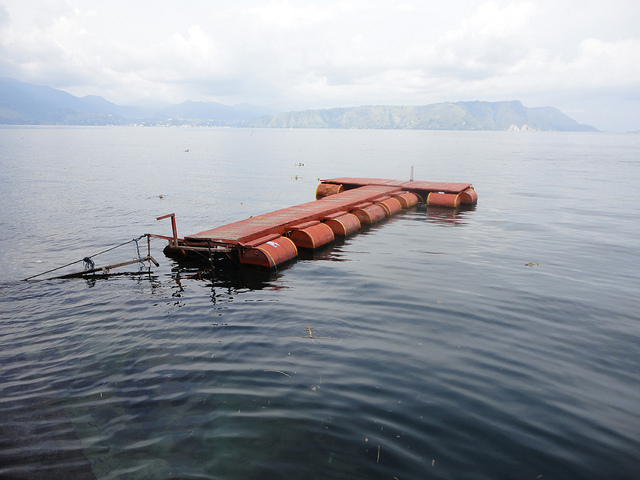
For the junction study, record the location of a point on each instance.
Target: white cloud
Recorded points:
(607, 63)
(287, 15)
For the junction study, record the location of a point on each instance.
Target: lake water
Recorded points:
(500, 342)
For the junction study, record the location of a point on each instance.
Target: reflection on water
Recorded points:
(449, 217)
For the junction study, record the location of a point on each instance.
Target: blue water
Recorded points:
(499, 342)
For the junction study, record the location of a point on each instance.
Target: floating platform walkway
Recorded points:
(341, 207)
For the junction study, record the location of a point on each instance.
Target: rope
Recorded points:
(141, 265)
(89, 257)
(137, 249)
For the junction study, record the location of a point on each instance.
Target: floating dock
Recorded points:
(341, 207)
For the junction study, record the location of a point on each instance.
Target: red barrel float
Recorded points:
(312, 237)
(326, 189)
(468, 196)
(344, 224)
(371, 214)
(407, 199)
(270, 254)
(391, 205)
(443, 199)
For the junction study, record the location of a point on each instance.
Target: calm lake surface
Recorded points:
(500, 342)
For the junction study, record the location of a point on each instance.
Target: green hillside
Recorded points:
(510, 115)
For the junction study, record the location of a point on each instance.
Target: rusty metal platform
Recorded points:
(343, 206)
(281, 221)
(445, 187)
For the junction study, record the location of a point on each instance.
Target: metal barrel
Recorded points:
(443, 199)
(391, 205)
(344, 224)
(312, 237)
(407, 199)
(371, 214)
(326, 189)
(468, 196)
(270, 254)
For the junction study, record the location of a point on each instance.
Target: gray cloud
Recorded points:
(4, 16)
(311, 54)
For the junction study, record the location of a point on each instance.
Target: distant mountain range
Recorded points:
(511, 115)
(27, 104)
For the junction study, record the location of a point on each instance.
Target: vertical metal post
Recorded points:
(175, 230)
(174, 240)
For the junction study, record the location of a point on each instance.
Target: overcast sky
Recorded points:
(580, 56)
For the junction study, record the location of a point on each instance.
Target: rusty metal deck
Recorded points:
(343, 206)
(281, 221)
(445, 187)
